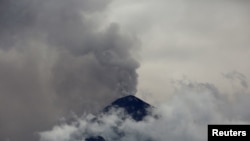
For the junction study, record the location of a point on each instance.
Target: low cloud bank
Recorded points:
(183, 117)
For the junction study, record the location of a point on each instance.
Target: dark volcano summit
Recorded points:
(132, 106)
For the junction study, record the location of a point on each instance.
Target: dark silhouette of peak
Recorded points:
(97, 138)
(132, 105)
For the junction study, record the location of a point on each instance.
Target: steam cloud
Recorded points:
(56, 58)
(183, 117)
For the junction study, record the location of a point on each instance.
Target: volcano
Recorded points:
(132, 106)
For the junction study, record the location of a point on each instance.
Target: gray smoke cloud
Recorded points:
(234, 76)
(56, 58)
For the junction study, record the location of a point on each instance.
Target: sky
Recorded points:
(59, 58)
(199, 40)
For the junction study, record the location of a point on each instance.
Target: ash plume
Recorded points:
(56, 58)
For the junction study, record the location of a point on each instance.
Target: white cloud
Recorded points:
(183, 117)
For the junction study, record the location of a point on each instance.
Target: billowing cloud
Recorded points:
(185, 116)
(237, 76)
(58, 57)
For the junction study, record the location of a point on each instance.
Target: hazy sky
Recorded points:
(60, 56)
(198, 40)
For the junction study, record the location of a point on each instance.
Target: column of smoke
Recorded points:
(54, 60)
